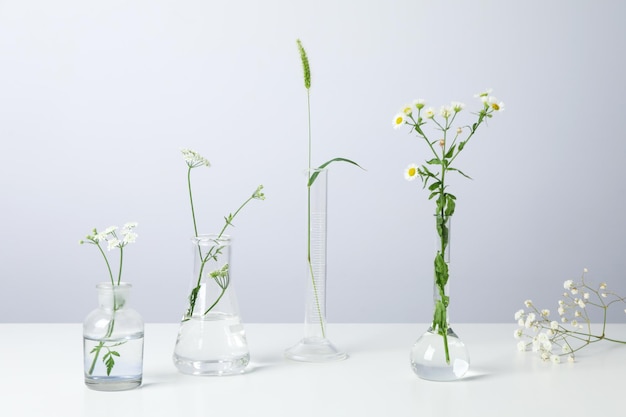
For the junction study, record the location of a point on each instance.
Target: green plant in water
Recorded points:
(445, 149)
(312, 175)
(221, 276)
(113, 241)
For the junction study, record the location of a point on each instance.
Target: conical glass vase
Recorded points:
(315, 345)
(211, 338)
(439, 354)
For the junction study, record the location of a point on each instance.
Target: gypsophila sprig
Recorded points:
(193, 160)
(113, 240)
(553, 338)
(450, 138)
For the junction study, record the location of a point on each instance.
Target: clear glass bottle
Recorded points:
(113, 341)
(315, 346)
(211, 338)
(439, 354)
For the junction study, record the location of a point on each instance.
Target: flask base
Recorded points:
(315, 349)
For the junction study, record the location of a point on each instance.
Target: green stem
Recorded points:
(107, 262)
(216, 301)
(119, 276)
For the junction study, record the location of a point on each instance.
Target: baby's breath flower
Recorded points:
(571, 359)
(519, 314)
(568, 284)
(574, 323)
(555, 359)
(604, 295)
(574, 290)
(554, 325)
(521, 346)
(411, 172)
(545, 312)
(581, 304)
(561, 311)
(603, 286)
(398, 120)
(528, 303)
(586, 295)
(518, 333)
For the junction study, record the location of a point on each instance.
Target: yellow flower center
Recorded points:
(495, 106)
(412, 172)
(399, 120)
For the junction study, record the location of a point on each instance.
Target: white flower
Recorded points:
(520, 322)
(398, 120)
(528, 303)
(555, 359)
(521, 346)
(519, 314)
(554, 325)
(407, 110)
(517, 334)
(113, 243)
(581, 303)
(129, 237)
(574, 323)
(194, 159)
(419, 103)
(495, 104)
(545, 356)
(456, 106)
(561, 311)
(411, 172)
(445, 112)
(484, 93)
(603, 295)
(603, 286)
(430, 113)
(586, 296)
(566, 349)
(530, 319)
(574, 290)
(545, 312)
(568, 284)
(577, 313)
(570, 358)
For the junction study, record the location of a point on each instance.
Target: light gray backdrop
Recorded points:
(97, 98)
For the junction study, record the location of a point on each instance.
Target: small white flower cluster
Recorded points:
(109, 235)
(552, 339)
(194, 159)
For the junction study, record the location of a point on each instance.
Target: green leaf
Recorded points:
(462, 145)
(434, 161)
(325, 164)
(450, 205)
(450, 153)
(460, 172)
(434, 185)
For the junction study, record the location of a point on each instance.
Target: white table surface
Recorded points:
(41, 374)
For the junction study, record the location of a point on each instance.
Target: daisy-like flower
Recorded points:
(408, 110)
(430, 113)
(495, 104)
(398, 120)
(457, 106)
(484, 93)
(411, 172)
(445, 112)
(419, 103)
(194, 159)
